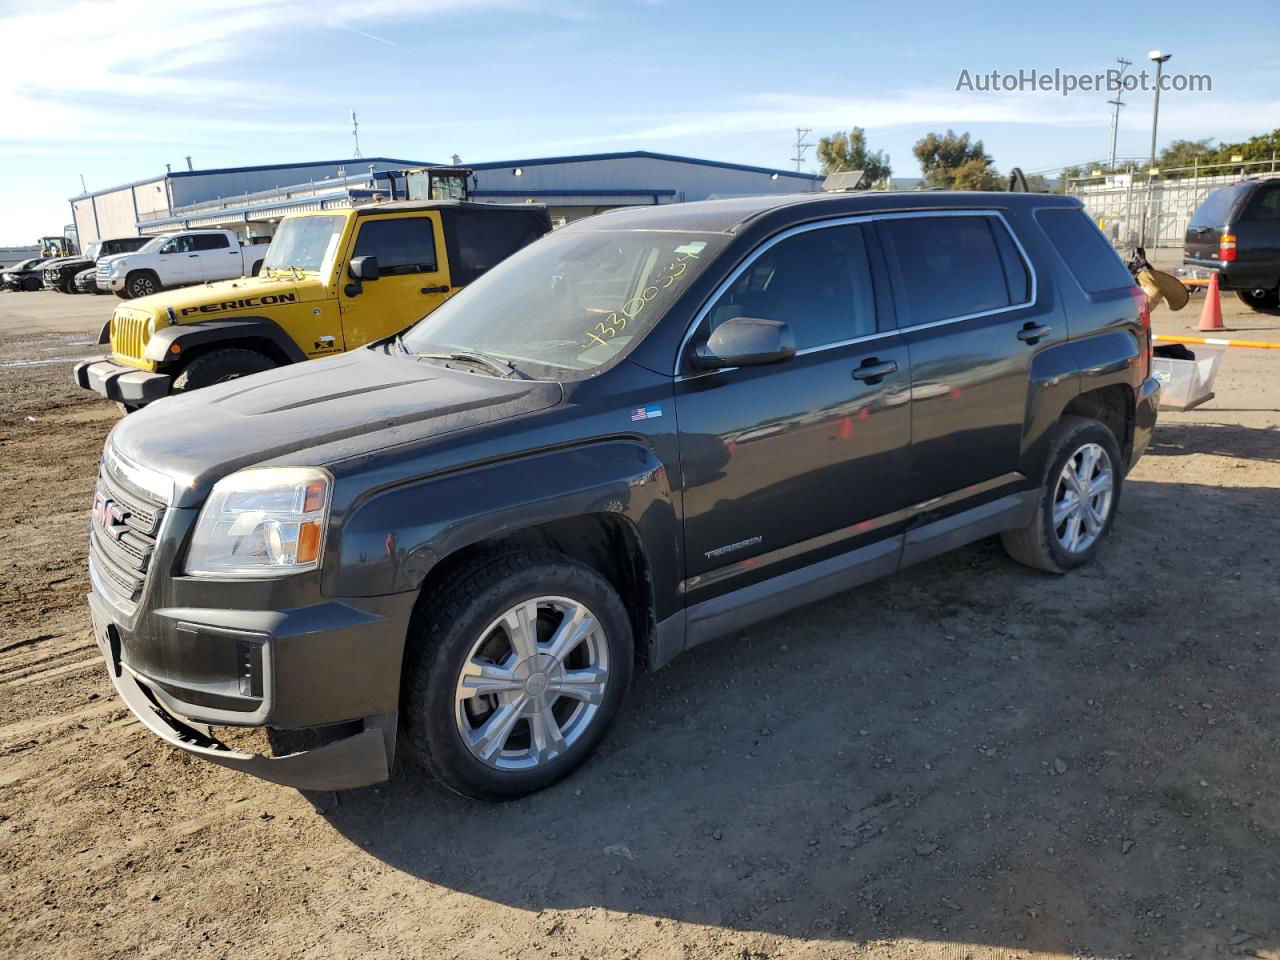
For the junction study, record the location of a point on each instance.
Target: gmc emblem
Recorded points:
(108, 517)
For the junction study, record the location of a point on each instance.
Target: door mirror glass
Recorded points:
(745, 342)
(363, 268)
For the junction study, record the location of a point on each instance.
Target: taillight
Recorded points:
(1227, 247)
(1144, 321)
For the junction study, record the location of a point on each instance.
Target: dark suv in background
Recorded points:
(1236, 233)
(646, 430)
(61, 274)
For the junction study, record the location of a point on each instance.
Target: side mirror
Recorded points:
(363, 268)
(745, 342)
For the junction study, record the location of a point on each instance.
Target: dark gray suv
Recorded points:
(644, 431)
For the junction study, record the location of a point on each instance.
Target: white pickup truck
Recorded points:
(179, 260)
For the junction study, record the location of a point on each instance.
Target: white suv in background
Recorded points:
(180, 260)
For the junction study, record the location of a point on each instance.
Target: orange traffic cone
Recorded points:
(1211, 315)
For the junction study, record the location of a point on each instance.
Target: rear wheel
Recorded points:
(1078, 499)
(217, 366)
(518, 666)
(1260, 299)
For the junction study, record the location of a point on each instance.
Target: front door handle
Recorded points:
(873, 370)
(440, 289)
(1032, 332)
(193, 254)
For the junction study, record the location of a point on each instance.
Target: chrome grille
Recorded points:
(103, 273)
(122, 536)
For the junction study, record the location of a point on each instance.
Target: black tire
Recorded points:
(451, 620)
(1037, 544)
(143, 283)
(217, 366)
(1260, 299)
(31, 284)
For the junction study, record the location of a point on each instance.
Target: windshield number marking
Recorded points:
(632, 308)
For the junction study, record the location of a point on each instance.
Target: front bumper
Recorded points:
(177, 687)
(115, 381)
(1144, 418)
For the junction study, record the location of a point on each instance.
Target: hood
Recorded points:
(257, 292)
(200, 437)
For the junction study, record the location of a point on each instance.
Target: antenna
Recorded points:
(801, 146)
(1116, 104)
(457, 160)
(188, 159)
(355, 133)
(83, 188)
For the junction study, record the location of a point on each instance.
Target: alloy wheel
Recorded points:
(532, 684)
(1082, 498)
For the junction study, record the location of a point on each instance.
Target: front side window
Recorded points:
(403, 245)
(817, 282)
(573, 302)
(948, 267)
(183, 244)
(305, 243)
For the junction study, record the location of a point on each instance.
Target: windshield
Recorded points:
(574, 301)
(1216, 207)
(154, 244)
(91, 253)
(307, 243)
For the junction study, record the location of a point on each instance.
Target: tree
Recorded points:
(953, 163)
(842, 152)
(1186, 153)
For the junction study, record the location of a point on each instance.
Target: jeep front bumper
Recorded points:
(115, 381)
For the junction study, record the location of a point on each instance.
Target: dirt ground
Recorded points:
(970, 759)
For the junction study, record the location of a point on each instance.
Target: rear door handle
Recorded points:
(873, 370)
(442, 289)
(1031, 333)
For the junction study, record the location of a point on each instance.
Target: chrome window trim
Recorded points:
(723, 287)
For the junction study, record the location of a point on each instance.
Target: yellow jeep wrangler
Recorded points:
(332, 280)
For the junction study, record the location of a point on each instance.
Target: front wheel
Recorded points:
(31, 284)
(217, 366)
(141, 285)
(518, 665)
(1078, 499)
(1260, 299)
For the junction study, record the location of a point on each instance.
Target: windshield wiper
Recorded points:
(503, 368)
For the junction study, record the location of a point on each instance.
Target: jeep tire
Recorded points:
(217, 366)
(496, 711)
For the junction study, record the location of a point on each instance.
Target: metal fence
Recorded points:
(1134, 209)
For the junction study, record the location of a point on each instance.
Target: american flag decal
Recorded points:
(646, 413)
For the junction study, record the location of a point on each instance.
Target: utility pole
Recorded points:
(1116, 104)
(801, 146)
(1160, 60)
(355, 133)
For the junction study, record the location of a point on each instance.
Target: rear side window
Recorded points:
(486, 239)
(404, 245)
(211, 241)
(1216, 209)
(1088, 255)
(817, 282)
(952, 266)
(1264, 204)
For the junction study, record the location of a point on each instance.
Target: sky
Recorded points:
(112, 90)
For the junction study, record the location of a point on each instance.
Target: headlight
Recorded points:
(262, 522)
(115, 268)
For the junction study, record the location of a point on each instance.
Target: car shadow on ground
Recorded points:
(1224, 440)
(969, 753)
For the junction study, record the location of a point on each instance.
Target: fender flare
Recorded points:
(204, 332)
(427, 520)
